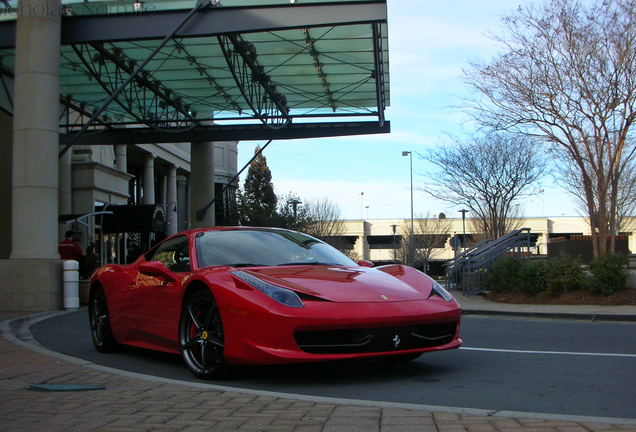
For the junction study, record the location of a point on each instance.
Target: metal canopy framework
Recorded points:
(279, 71)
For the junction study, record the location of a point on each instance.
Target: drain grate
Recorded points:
(64, 387)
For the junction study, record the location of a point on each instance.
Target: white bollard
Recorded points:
(71, 284)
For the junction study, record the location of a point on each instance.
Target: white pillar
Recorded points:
(163, 190)
(121, 158)
(35, 130)
(171, 201)
(202, 182)
(149, 180)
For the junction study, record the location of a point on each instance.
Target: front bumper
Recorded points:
(323, 331)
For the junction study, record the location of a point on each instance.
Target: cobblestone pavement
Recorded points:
(123, 402)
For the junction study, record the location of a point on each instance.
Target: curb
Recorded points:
(17, 331)
(592, 317)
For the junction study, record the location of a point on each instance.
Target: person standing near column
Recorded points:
(68, 249)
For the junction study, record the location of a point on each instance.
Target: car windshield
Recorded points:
(253, 247)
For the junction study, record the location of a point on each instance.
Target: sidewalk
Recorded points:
(476, 304)
(122, 402)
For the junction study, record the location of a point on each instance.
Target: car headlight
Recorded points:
(281, 295)
(440, 291)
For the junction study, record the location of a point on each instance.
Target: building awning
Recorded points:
(145, 218)
(232, 64)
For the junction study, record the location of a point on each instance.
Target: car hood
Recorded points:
(346, 284)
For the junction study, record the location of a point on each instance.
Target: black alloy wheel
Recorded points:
(201, 337)
(99, 320)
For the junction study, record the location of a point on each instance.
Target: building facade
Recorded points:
(105, 177)
(379, 240)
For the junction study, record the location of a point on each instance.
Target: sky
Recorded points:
(429, 43)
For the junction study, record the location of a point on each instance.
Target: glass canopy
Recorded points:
(269, 62)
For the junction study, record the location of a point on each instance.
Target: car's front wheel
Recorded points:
(99, 320)
(201, 338)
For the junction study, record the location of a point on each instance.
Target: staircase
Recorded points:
(469, 269)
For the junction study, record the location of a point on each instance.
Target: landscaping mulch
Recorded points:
(625, 297)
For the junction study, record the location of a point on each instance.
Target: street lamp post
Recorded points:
(463, 212)
(394, 226)
(295, 202)
(361, 217)
(411, 245)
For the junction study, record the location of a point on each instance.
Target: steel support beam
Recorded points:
(229, 133)
(199, 7)
(255, 85)
(379, 71)
(212, 22)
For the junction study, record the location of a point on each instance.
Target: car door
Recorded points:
(155, 297)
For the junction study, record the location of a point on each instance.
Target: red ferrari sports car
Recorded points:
(238, 295)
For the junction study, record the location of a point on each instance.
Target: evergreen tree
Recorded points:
(286, 217)
(258, 200)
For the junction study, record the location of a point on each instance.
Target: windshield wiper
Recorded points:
(247, 265)
(305, 263)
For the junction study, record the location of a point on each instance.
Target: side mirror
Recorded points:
(156, 269)
(365, 263)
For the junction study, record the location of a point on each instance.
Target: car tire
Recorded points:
(99, 319)
(201, 337)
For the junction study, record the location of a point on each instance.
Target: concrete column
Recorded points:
(121, 157)
(149, 180)
(202, 182)
(65, 192)
(188, 215)
(35, 130)
(182, 203)
(163, 190)
(171, 201)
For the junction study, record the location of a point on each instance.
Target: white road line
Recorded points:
(550, 352)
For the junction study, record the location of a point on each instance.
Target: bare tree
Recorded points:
(432, 237)
(567, 74)
(626, 198)
(429, 240)
(486, 174)
(402, 251)
(626, 205)
(323, 221)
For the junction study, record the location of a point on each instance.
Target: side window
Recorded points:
(174, 254)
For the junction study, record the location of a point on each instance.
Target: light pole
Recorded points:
(411, 245)
(295, 202)
(463, 212)
(361, 217)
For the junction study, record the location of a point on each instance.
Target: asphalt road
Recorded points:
(538, 366)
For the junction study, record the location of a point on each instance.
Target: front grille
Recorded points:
(371, 340)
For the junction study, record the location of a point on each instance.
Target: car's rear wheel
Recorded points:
(99, 319)
(201, 337)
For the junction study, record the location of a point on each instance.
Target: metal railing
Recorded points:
(469, 269)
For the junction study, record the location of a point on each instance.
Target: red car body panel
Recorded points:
(145, 310)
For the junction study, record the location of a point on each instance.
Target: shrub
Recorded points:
(532, 277)
(503, 275)
(564, 274)
(609, 273)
